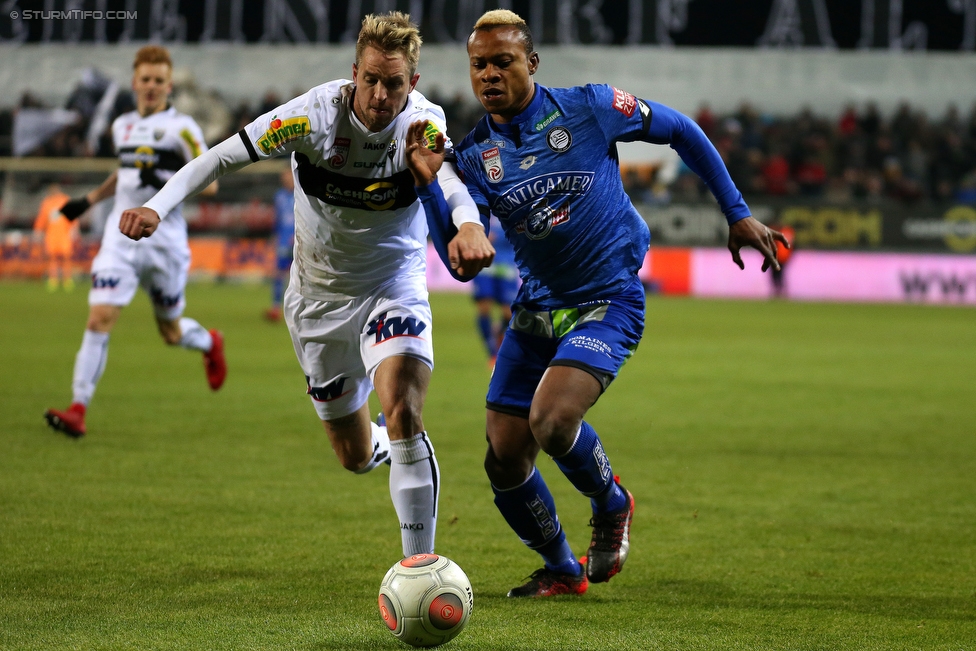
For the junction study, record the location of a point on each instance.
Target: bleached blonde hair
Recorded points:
(504, 18)
(390, 33)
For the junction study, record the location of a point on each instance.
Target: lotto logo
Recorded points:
(624, 102)
(385, 328)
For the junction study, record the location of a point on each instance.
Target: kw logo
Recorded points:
(99, 282)
(384, 328)
(162, 300)
(328, 393)
(916, 285)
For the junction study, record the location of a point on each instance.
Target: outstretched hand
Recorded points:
(751, 232)
(424, 158)
(137, 223)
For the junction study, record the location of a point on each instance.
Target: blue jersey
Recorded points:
(504, 251)
(552, 178)
(284, 223)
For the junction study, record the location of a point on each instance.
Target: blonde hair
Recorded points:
(390, 33)
(152, 54)
(504, 18)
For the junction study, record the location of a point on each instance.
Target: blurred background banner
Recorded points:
(846, 24)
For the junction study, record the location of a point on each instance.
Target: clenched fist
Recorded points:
(137, 223)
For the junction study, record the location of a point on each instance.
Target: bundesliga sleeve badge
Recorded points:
(492, 160)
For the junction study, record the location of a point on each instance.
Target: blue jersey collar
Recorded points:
(534, 106)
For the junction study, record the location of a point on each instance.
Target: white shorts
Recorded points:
(118, 271)
(340, 344)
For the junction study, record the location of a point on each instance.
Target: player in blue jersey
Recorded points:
(284, 238)
(544, 162)
(494, 290)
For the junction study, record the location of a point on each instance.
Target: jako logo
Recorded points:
(104, 283)
(395, 326)
(329, 392)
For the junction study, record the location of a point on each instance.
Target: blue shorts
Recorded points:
(596, 337)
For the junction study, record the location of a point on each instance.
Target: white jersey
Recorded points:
(150, 151)
(358, 222)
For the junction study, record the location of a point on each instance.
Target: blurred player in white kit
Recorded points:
(153, 142)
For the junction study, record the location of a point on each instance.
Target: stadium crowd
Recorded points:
(861, 154)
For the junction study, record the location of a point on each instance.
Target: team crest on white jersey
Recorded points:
(158, 134)
(339, 153)
(492, 160)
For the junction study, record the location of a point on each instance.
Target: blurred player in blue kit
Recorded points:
(544, 162)
(284, 242)
(494, 290)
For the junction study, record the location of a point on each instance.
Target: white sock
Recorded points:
(414, 487)
(381, 449)
(194, 336)
(89, 366)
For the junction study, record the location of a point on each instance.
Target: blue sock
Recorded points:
(484, 327)
(277, 290)
(531, 513)
(587, 467)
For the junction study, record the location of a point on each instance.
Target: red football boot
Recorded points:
(214, 362)
(70, 422)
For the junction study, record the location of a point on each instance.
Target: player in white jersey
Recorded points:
(357, 305)
(152, 142)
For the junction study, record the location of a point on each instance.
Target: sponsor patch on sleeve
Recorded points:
(190, 141)
(281, 132)
(624, 102)
(430, 133)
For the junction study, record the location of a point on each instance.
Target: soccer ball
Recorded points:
(425, 600)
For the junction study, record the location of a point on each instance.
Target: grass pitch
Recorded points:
(805, 478)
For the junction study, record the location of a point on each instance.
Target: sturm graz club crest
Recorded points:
(559, 139)
(158, 134)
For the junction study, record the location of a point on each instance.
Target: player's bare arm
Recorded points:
(76, 207)
(137, 223)
(751, 232)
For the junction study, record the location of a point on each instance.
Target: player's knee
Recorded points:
(351, 462)
(404, 417)
(506, 470)
(100, 322)
(553, 429)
